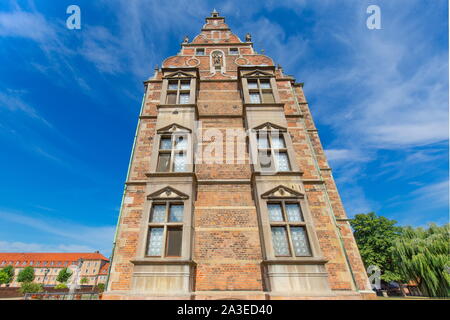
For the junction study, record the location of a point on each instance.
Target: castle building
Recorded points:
(229, 194)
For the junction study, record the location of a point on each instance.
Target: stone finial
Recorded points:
(214, 13)
(186, 39)
(248, 37)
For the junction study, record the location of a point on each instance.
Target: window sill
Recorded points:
(170, 174)
(296, 260)
(273, 104)
(177, 105)
(147, 261)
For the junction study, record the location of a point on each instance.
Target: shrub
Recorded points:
(61, 286)
(101, 287)
(30, 287)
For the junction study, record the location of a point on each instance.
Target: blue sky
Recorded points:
(69, 102)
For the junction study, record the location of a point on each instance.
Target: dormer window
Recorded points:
(200, 52)
(260, 91)
(178, 92)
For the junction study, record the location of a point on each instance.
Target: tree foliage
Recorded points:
(423, 256)
(6, 275)
(26, 275)
(64, 275)
(375, 236)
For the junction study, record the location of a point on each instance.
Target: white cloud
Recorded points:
(29, 25)
(16, 246)
(433, 195)
(100, 237)
(13, 102)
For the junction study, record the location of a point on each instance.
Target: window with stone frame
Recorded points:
(172, 155)
(165, 229)
(199, 51)
(288, 229)
(260, 90)
(272, 151)
(234, 51)
(178, 91)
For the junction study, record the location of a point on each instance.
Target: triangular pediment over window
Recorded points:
(257, 74)
(174, 128)
(167, 193)
(268, 127)
(283, 193)
(178, 74)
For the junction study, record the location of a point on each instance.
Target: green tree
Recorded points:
(84, 280)
(422, 255)
(64, 275)
(26, 275)
(4, 277)
(8, 274)
(375, 236)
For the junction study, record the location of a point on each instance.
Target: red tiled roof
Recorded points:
(59, 259)
(104, 269)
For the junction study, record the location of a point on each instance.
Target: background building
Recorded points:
(267, 225)
(48, 265)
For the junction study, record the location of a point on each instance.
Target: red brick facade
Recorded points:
(227, 247)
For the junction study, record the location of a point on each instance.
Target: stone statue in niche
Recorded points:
(217, 59)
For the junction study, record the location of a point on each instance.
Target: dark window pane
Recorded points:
(171, 98)
(173, 85)
(163, 162)
(265, 84)
(200, 52)
(300, 242)
(174, 237)
(166, 143)
(234, 51)
(158, 213)
(252, 84)
(185, 85)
